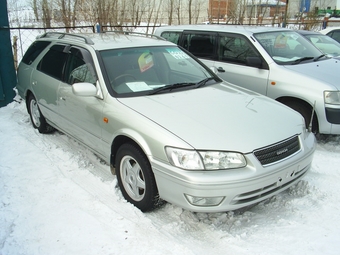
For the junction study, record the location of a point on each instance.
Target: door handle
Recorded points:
(220, 69)
(62, 98)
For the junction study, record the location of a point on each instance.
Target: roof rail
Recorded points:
(61, 35)
(134, 33)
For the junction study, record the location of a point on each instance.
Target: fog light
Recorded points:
(204, 201)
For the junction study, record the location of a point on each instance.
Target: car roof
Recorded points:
(307, 32)
(247, 30)
(104, 41)
(329, 29)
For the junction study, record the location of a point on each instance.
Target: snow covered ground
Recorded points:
(56, 197)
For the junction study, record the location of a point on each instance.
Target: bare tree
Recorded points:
(68, 9)
(197, 10)
(178, 12)
(189, 10)
(252, 9)
(242, 6)
(34, 5)
(262, 12)
(46, 13)
(170, 10)
(152, 6)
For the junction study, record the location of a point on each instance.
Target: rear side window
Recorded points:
(335, 35)
(200, 44)
(33, 51)
(171, 36)
(53, 62)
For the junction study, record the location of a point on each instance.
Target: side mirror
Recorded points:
(254, 62)
(84, 89)
(214, 69)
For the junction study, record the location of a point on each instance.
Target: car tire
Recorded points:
(38, 120)
(135, 178)
(306, 112)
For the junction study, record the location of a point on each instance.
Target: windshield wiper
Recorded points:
(171, 87)
(317, 58)
(298, 61)
(203, 82)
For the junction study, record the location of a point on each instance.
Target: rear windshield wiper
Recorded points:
(171, 87)
(298, 61)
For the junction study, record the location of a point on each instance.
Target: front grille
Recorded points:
(278, 151)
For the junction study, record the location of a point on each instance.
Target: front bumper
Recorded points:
(238, 188)
(333, 115)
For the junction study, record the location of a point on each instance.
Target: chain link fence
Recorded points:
(23, 37)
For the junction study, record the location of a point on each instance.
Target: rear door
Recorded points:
(46, 79)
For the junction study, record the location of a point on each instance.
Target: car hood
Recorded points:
(324, 71)
(220, 117)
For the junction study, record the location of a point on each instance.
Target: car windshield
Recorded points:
(153, 70)
(288, 47)
(325, 43)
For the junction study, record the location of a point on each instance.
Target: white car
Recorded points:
(276, 62)
(167, 125)
(333, 32)
(323, 42)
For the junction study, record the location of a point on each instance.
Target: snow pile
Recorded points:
(56, 197)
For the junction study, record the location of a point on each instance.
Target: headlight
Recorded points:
(204, 160)
(222, 160)
(186, 159)
(332, 97)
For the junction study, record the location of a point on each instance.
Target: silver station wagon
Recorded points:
(276, 62)
(170, 129)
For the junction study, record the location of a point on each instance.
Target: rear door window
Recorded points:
(200, 44)
(335, 35)
(172, 36)
(53, 62)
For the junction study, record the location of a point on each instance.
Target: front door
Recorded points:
(82, 116)
(233, 51)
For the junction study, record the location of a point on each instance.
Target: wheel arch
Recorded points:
(27, 94)
(288, 101)
(122, 139)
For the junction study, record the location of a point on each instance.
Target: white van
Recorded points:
(276, 62)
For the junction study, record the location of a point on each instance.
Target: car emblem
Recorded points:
(281, 151)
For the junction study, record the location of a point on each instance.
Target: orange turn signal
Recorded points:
(106, 120)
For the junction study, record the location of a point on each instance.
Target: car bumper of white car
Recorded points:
(225, 190)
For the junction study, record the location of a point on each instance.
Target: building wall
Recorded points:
(218, 8)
